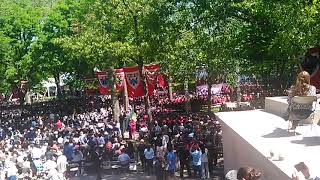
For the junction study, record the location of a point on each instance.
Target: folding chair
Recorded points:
(302, 107)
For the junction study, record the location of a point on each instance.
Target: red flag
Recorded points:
(133, 80)
(119, 79)
(161, 80)
(151, 72)
(15, 93)
(103, 82)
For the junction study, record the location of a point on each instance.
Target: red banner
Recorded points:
(134, 81)
(161, 80)
(119, 79)
(15, 93)
(151, 72)
(103, 82)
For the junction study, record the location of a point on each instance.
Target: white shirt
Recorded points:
(82, 139)
(20, 160)
(165, 141)
(100, 125)
(49, 164)
(26, 165)
(12, 169)
(62, 163)
(36, 153)
(53, 174)
(60, 140)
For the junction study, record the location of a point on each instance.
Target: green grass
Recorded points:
(215, 109)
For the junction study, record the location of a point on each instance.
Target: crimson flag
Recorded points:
(103, 82)
(151, 72)
(161, 80)
(15, 93)
(119, 79)
(133, 80)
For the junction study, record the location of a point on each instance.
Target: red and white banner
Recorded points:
(119, 79)
(151, 72)
(134, 81)
(103, 82)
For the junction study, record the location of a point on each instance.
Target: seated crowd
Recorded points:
(47, 140)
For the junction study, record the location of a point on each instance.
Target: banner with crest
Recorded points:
(103, 83)
(151, 72)
(134, 81)
(119, 79)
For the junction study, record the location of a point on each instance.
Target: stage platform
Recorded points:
(250, 136)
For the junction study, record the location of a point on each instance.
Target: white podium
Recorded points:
(276, 105)
(250, 136)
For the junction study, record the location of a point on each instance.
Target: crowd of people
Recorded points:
(45, 140)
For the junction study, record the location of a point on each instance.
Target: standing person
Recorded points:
(130, 149)
(184, 157)
(78, 158)
(96, 157)
(133, 128)
(159, 168)
(68, 150)
(204, 164)
(171, 159)
(141, 147)
(59, 125)
(165, 140)
(124, 160)
(62, 163)
(149, 155)
(196, 160)
(12, 171)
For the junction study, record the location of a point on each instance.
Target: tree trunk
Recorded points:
(140, 63)
(21, 96)
(146, 97)
(114, 98)
(282, 69)
(209, 94)
(57, 81)
(125, 90)
(125, 97)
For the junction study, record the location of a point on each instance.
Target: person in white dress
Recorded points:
(62, 164)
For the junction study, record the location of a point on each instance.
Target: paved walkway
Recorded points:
(116, 177)
(218, 175)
